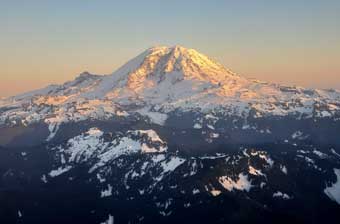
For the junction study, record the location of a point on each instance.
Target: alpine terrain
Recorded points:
(170, 137)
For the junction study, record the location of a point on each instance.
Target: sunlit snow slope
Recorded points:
(161, 80)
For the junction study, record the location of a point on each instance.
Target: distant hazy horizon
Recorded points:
(50, 42)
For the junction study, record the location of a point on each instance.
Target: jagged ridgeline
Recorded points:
(171, 136)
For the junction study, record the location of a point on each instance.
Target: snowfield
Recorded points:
(243, 183)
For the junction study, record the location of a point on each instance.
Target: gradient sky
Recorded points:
(290, 42)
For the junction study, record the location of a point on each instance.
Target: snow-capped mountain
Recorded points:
(165, 79)
(171, 136)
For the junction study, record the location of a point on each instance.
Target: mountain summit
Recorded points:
(167, 73)
(175, 64)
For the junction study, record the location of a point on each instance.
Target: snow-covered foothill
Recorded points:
(91, 146)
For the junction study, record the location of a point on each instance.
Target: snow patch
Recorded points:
(123, 146)
(195, 191)
(23, 153)
(100, 178)
(59, 171)
(279, 194)
(155, 117)
(335, 153)
(255, 172)
(53, 128)
(43, 178)
(172, 164)
(283, 169)
(333, 191)
(269, 161)
(107, 192)
(110, 220)
(152, 136)
(320, 154)
(82, 147)
(215, 192)
(210, 127)
(215, 135)
(197, 126)
(169, 166)
(241, 184)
